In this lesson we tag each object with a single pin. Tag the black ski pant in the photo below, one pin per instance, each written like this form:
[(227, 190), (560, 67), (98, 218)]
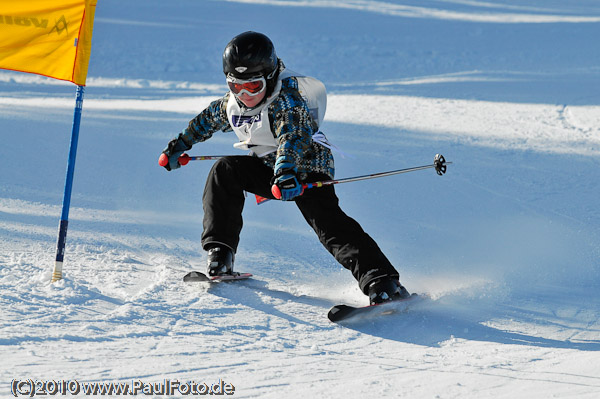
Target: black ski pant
[(344, 238)]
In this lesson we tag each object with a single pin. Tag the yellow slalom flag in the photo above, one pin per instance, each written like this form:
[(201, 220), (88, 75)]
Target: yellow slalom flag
[(47, 37)]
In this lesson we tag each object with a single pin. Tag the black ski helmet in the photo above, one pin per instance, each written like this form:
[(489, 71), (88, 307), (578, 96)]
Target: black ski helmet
[(248, 55)]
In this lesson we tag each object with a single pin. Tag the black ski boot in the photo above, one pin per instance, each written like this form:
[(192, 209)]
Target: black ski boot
[(220, 261), (386, 289)]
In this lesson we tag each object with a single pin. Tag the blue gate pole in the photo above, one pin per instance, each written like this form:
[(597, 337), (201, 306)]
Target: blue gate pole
[(64, 218)]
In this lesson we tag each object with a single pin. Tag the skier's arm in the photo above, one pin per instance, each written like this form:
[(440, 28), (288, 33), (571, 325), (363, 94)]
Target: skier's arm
[(212, 119), (293, 131)]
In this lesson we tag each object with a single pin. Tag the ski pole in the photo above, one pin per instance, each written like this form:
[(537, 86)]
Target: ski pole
[(185, 158), (439, 163)]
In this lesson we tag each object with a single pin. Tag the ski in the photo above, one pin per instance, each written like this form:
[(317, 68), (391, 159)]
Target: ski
[(346, 312), (192, 277)]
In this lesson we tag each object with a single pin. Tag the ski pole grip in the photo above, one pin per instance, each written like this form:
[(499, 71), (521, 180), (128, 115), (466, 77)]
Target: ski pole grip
[(163, 160), (183, 159), (276, 191)]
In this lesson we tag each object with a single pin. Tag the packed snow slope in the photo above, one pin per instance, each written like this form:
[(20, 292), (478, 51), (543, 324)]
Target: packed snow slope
[(507, 243)]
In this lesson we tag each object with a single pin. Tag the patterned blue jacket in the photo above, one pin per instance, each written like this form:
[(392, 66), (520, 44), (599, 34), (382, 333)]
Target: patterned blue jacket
[(290, 124)]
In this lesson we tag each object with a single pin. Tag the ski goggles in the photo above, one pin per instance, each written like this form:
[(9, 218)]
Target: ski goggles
[(252, 87)]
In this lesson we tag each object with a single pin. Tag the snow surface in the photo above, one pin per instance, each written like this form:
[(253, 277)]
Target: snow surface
[(507, 243)]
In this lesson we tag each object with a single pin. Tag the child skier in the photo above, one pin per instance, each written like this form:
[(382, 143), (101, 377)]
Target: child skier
[(275, 114)]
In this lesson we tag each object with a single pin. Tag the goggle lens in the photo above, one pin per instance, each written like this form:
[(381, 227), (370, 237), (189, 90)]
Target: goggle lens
[(252, 87)]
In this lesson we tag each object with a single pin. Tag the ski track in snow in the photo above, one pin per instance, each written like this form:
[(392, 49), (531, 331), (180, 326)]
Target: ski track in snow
[(506, 243)]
